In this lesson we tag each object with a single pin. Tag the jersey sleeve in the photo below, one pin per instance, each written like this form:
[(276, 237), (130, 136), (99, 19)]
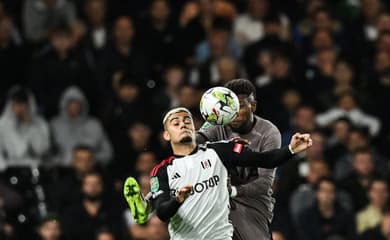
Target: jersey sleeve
[(206, 133), (236, 154), (165, 205)]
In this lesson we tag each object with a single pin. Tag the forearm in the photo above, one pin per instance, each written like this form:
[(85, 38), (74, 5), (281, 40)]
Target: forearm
[(268, 159), (167, 209)]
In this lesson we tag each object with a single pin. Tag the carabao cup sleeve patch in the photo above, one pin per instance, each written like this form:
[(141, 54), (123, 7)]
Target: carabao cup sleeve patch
[(205, 126), (154, 184)]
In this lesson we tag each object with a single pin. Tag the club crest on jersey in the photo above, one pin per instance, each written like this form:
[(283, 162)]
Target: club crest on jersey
[(154, 184), (206, 164)]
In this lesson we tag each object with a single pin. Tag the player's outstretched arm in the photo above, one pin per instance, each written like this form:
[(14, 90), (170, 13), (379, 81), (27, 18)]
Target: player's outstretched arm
[(274, 158), (235, 154)]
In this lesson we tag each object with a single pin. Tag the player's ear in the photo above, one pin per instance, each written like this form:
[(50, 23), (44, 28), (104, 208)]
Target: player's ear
[(166, 136), (253, 106)]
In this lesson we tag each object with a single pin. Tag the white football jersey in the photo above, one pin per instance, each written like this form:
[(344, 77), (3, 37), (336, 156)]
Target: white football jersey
[(205, 213)]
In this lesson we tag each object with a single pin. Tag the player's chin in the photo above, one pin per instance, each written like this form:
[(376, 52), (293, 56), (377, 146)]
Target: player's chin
[(186, 139), (235, 124)]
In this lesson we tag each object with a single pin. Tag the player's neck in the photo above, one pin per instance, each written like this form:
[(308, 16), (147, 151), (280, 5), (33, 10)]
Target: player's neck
[(183, 149)]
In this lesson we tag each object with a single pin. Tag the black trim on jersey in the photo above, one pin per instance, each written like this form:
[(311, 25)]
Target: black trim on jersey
[(166, 206), (193, 152), (248, 158)]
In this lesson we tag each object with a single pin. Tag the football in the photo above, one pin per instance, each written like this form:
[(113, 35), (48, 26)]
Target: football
[(219, 106)]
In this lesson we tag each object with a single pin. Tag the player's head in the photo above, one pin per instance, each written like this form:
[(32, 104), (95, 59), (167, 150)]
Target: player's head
[(179, 126), (246, 93)]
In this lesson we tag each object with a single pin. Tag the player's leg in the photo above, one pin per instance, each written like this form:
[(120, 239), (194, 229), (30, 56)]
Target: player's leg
[(139, 207)]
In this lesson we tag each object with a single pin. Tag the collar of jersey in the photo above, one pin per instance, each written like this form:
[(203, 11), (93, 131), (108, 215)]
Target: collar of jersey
[(191, 153)]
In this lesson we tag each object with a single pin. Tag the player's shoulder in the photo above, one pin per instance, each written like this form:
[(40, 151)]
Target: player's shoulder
[(161, 166), (265, 125), (208, 127)]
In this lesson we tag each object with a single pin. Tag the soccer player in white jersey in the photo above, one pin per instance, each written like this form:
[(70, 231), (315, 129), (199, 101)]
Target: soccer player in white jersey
[(189, 189)]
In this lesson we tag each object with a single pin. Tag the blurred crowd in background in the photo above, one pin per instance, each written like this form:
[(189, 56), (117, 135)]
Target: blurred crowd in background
[(84, 85)]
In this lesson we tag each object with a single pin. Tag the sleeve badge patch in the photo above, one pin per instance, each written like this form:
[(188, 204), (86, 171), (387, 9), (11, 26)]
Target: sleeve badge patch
[(154, 184)]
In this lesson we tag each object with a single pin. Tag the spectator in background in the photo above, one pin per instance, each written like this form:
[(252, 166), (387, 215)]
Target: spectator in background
[(290, 101), (358, 139), (197, 21), (370, 217), (273, 40), (249, 26), (66, 191), (219, 42), (296, 172), (92, 212), (140, 135), (304, 194), (338, 139), (326, 219), (97, 29), (189, 97), (105, 234), (50, 229), (378, 85), (124, 108), (218, 72), (73, 126), (24, 134), (121, 57), (39, 16), (139, 138), (319, 72), (274, 82), (13, 59), (55, 68), (341, 81), (318, 17), (168, 95), (145, 163), (347, 106), (358, 181), (303, 121), (157, 34), (362, 32), (382, 232)]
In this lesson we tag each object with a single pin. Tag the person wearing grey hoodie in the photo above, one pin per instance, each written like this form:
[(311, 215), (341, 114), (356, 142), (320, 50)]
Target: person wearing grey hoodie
[(24, 134), (73, 126), (40, 16)]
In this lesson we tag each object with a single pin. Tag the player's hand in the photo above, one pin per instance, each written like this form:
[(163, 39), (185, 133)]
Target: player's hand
[(183, 193), (300, 142), (240, 140)]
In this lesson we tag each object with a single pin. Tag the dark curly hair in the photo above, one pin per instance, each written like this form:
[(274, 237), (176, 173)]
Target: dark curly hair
[(242, 87)]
